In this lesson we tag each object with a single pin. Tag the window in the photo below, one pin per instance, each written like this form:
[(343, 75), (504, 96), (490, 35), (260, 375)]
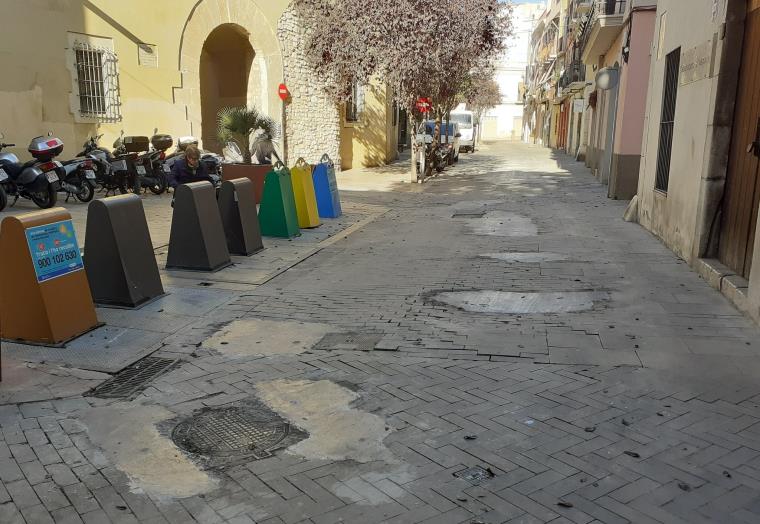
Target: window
[(465, 119), (355, 103), (669, 95), (97, 82)]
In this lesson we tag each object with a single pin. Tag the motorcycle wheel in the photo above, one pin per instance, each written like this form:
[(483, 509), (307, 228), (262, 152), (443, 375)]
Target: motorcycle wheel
[(46, 199), (86, 194), (3, 198), (160, 186)]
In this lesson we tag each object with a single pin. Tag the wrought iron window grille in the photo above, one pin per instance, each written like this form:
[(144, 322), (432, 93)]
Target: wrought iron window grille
[(97, 72)]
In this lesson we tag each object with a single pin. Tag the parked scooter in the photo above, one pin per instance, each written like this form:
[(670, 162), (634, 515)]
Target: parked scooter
[(39, 179), (110, 172)]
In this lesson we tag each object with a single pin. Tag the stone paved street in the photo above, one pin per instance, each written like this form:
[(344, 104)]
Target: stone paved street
[(496, 345)]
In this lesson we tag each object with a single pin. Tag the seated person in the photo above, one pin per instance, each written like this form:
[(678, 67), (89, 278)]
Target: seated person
[(190, 168)]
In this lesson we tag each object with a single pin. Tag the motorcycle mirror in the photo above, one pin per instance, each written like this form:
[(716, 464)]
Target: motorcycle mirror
[(2, 135), (155, 130), (50, 133)]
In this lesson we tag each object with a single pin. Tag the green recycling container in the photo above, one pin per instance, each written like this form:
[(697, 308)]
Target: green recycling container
[(277, 212)]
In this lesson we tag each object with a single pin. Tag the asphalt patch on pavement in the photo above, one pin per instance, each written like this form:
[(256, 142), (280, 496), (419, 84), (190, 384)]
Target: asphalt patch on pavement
[(254, 336), (516, 303), (504, 224), (337, 429), (131, 439)]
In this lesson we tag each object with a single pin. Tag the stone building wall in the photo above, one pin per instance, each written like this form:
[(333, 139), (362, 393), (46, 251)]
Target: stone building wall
[(312, 119)]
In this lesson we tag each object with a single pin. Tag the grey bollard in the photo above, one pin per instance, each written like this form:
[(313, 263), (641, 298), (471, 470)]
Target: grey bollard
[(197, 240), (237, 205), (119, 260)]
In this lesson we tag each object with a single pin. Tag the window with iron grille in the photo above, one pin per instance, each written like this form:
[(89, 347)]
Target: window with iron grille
[(355, 103), (669, 95), (97, 82)]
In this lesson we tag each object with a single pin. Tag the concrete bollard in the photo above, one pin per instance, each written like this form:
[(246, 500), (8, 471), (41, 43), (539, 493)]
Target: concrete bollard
[(119, 259), (237, 206), (44, 294), (197, 241)]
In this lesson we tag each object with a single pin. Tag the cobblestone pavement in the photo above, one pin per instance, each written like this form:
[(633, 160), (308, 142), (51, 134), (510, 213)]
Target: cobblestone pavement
[(513, 352)]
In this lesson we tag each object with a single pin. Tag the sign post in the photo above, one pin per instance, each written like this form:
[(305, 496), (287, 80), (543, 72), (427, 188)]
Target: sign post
[(44, 294), (284, 94)]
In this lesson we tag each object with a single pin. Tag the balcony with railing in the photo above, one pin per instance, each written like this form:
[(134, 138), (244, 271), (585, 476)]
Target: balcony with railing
[(574, 76), (600, 26)]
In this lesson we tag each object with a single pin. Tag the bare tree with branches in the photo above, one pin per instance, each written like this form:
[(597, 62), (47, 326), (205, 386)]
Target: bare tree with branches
[(419, 48)]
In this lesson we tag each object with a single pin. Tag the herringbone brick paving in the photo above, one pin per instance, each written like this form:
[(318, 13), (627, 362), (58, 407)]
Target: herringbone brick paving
[(642, 409), (549, 434)]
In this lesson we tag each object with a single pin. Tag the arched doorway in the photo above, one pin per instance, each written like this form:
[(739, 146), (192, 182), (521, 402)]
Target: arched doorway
[(225, 65)]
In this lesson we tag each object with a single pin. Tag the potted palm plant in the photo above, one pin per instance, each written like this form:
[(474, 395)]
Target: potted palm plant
[(251, 133)]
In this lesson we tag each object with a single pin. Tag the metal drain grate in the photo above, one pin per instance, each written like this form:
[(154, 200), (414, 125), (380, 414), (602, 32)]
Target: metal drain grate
[(135, 378), (349, 341), (475, 475), (239, 431)]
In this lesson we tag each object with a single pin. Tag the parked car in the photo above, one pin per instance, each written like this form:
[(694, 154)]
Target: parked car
[(466, 121)]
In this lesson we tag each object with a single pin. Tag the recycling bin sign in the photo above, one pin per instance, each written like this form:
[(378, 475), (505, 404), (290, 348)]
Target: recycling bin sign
[(54, 250)]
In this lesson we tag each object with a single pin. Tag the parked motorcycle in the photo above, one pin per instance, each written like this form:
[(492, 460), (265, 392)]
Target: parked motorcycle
[(140, 161), (110, 172), (38, 180), (79, 179), (160, 143)]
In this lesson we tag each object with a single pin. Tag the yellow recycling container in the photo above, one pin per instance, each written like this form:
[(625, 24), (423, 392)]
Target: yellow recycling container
[(303, 191)]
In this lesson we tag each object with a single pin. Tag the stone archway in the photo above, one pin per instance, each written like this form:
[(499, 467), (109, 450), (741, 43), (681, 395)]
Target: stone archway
[(255, 21), (225, 66)]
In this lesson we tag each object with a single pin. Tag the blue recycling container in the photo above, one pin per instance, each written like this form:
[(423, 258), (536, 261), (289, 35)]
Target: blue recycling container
[(326, 188)]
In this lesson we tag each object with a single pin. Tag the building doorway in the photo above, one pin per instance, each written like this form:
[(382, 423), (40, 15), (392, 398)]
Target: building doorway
[(742, 194), (225, 64)]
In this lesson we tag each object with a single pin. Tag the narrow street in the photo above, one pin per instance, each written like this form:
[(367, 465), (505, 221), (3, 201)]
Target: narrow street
[(496, 345)]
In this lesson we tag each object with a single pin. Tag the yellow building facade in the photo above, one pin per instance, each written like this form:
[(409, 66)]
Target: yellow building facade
[(78, 68)]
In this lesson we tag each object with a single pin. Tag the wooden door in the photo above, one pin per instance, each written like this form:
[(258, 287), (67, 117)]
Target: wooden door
[(742, 194)]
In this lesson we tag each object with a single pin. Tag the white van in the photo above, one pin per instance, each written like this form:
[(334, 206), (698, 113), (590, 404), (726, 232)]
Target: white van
[(466, 121)]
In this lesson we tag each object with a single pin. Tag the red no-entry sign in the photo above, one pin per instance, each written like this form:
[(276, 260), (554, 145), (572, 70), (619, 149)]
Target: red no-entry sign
[(423, 104), (283, 92)]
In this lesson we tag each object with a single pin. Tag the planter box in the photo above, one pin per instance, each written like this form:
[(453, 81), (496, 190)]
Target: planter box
[(256, 173)]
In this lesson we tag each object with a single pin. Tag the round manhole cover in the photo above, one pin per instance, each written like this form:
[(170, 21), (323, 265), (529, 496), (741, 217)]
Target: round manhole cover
[(231, 431)]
